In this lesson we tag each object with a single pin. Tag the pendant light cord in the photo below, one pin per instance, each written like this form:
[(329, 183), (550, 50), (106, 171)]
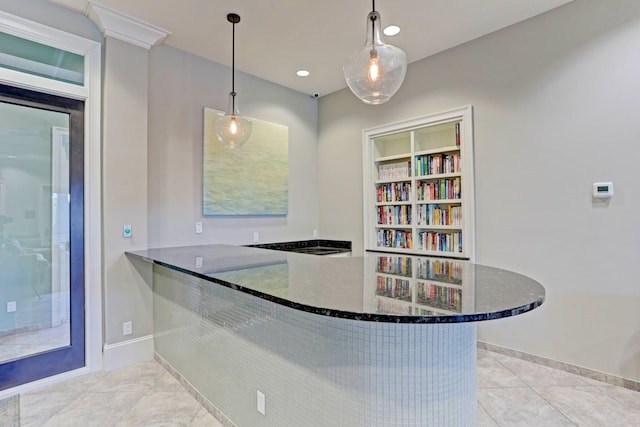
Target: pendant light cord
[(234, 19), (233, 66), (373, 21)]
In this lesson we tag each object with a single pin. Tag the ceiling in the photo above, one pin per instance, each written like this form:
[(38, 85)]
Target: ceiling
[(276, 38)]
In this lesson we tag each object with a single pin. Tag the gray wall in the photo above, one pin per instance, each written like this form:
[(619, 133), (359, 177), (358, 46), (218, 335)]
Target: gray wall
[(556, 102), (181, 85), (126, 296)]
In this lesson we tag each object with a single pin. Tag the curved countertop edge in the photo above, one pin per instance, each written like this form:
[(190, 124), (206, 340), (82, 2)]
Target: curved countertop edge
[(367, 317)]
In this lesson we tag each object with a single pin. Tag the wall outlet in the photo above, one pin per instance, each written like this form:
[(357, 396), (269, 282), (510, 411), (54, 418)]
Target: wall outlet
[(256, 237), (262, 402), (198, 228), (127, 231), (11, 306), (315, 234), (127, 328), (199, 261)]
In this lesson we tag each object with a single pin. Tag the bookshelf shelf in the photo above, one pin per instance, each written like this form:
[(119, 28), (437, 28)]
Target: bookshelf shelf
[(438, 176), (392, 203), (439, 202), (392, 181), (438, 227), (437, 150), (421, 171), (405, 156)]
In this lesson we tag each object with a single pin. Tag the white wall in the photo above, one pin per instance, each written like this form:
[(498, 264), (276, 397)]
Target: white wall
[(556, 102)]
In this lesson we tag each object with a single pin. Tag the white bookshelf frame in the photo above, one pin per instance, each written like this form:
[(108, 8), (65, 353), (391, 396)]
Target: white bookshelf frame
[(408, 129)]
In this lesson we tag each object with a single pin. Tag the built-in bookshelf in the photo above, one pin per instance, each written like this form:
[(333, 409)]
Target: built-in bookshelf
[(421, 286), (418, 186)]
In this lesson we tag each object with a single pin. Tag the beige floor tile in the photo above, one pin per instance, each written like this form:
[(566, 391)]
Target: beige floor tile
[(162, 409), (591, 406), (138, 377), (74, 385), (95, 410), (484, 419), (147, 395), (630, 398), (492, 373), (36, 408), (520, 406), (483, 354)]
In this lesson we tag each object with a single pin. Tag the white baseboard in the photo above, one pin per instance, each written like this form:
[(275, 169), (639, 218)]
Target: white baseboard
[(127, 353)]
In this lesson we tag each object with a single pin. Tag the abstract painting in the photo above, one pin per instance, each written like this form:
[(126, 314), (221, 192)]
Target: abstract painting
[(250, 180)]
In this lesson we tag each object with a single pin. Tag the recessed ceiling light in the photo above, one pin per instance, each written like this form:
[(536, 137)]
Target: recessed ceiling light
[(391, 30), (302, 73)]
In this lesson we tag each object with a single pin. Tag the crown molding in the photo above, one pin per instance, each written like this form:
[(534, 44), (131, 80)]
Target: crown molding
[(122, 27)]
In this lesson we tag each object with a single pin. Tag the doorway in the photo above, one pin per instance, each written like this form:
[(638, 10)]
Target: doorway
[(42, 289)]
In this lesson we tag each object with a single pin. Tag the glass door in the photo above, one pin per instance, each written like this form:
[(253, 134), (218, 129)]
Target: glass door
[(41, 236)]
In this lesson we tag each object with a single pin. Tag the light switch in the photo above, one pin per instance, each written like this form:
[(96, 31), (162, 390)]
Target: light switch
[(127, 231)]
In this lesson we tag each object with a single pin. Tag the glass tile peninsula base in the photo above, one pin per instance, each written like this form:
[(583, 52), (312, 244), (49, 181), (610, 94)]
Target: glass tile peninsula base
[(313, 370), (380, 340)]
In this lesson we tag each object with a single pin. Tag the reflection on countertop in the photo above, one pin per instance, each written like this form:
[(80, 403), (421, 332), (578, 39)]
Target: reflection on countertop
[(378, 287)]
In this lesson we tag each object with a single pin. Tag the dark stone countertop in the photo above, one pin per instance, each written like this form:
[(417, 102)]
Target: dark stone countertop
[(312, 247), (378, 287)]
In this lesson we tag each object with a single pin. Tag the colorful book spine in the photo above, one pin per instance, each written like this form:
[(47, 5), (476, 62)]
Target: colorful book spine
[(439, 215), (435, 241), (394, 239), (438, 164), (394, 192), (394, 215), (440, 189)]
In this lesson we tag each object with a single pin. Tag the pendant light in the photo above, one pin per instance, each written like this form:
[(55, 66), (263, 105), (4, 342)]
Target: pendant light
[(231, 129), (375, 72)]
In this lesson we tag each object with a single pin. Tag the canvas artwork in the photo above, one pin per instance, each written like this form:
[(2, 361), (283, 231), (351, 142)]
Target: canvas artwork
[(251, 180)]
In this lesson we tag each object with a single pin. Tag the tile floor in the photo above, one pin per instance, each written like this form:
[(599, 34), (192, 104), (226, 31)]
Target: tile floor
[(511, 392)]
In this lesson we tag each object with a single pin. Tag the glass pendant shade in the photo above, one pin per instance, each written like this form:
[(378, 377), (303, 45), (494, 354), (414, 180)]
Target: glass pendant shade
[(232, 130), (375, 72)]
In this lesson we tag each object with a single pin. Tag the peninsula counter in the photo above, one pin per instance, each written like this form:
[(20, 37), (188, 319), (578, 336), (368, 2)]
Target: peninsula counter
[(380, 340)]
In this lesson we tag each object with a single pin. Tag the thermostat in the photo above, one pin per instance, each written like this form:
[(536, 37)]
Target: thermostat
[(602, 190)]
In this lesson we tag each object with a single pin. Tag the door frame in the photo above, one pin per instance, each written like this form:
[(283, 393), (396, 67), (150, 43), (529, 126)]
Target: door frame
[(67, 358), (90, 93)]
